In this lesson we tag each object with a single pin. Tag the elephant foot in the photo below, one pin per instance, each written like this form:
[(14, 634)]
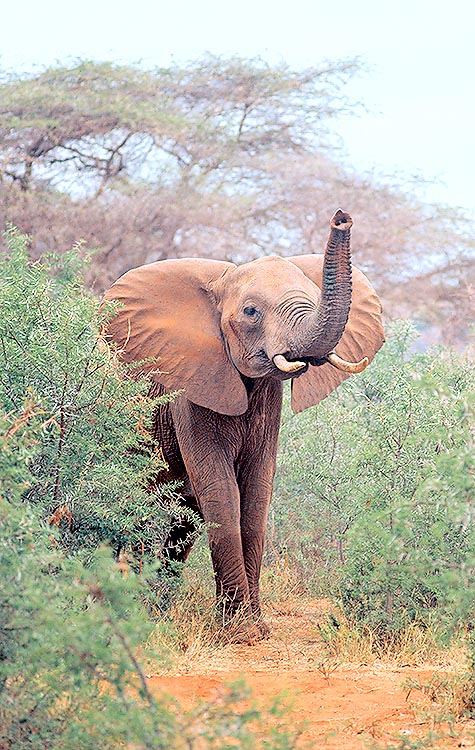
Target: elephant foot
[(248, 631), (264, 629)]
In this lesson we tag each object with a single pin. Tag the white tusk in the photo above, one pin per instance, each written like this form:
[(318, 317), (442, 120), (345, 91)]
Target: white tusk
[(285, 366), (342, 364)]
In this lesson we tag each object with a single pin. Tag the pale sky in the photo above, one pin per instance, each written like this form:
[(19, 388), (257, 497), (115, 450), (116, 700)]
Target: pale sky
[(419, 89)]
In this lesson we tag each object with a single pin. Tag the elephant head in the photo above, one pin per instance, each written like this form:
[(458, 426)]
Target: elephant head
[(211, 327)]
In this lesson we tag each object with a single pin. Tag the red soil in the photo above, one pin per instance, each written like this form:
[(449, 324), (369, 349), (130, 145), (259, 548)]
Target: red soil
[(342, 706)]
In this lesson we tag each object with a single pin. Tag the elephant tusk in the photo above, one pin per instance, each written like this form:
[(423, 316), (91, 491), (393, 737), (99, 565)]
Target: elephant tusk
[(284, 365), (342, 364)]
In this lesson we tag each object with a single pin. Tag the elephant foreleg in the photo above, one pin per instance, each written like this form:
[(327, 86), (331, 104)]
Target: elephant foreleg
[(256, 471), (208, 446), (255, 499)]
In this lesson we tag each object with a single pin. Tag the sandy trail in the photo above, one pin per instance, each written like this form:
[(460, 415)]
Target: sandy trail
[(344, 706)]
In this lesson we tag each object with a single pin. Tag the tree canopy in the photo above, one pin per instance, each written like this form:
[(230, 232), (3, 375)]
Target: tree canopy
[(226, 158)]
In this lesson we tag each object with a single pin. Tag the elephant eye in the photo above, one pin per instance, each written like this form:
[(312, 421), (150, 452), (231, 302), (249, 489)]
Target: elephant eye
[(251, 312)]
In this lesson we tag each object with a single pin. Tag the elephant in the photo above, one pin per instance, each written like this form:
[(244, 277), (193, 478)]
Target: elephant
[(225, 337)]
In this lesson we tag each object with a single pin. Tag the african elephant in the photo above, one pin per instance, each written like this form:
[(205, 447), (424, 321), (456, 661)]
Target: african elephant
[(228, 336)]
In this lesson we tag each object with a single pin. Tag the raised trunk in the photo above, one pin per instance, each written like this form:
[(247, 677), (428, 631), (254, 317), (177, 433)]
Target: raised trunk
[(325, 328)]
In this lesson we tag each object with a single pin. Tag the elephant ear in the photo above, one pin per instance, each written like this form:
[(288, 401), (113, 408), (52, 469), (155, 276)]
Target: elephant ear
[(363, 335), (168, 315)]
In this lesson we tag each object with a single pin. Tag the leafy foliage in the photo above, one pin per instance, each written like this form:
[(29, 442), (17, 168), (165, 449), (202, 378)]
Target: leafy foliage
[(383, 489), (92, 456), (152, 164), (64, 631), (76, 459), (69, 671), (225, 158), (104, 118)]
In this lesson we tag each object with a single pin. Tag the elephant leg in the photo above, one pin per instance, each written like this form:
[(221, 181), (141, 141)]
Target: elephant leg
[(209, 443), (256, 491), (232, 589), (219, 502), (256, 470), (254, 511), (182, 534)]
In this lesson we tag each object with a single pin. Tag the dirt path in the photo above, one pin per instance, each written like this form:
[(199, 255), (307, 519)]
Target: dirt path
[(344, 706)]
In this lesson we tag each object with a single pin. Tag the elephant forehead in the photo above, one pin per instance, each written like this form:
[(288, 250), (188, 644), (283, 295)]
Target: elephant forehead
[(271, 275)]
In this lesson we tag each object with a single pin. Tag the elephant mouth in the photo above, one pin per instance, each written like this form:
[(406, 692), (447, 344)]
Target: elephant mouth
[(265, 366), (296, 367), (285, 368)]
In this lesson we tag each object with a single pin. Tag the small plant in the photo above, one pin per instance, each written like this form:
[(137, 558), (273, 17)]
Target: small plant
[(327, 665), (93, 456), (378, 507)]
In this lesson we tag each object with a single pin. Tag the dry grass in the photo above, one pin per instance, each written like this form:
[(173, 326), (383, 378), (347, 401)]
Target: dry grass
[(190, 635), (282, 590), (284, 594), (448, 695), (316, 632), (413, 646)]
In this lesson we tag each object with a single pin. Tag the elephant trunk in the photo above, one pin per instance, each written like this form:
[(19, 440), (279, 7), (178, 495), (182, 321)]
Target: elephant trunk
[(326, 326), (321, 331)]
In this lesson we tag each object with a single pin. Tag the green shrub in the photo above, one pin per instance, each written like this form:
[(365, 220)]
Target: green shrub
[(92, 456), (70, 676), (378, 480), (65, 631), (76, 459)]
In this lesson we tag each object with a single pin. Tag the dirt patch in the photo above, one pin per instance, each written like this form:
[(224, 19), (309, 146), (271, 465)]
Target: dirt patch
[(342, 706)]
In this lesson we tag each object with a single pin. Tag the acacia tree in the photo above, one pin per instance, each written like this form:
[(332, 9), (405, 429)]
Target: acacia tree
[(224, 158), (160, 163)]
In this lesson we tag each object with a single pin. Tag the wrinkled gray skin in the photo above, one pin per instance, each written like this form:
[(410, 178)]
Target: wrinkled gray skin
[(227, 461), (229, 465)]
